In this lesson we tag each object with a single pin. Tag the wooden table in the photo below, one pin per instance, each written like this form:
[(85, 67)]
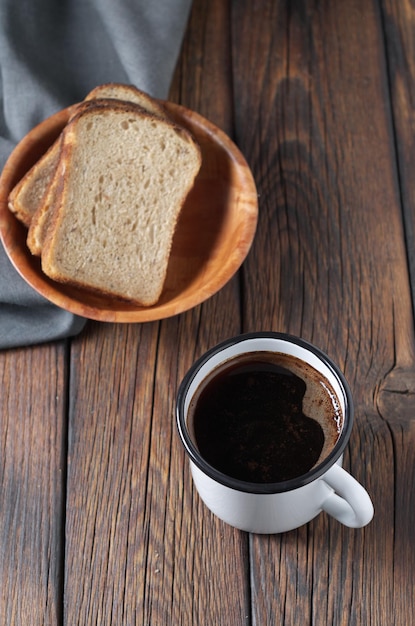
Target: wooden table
[(99, 522)]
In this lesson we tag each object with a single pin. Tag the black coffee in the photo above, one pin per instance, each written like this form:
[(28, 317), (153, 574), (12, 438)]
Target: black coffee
[(265, 418)]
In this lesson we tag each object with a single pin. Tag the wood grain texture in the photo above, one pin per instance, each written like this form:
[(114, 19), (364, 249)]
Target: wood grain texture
[(32, 484), (330, 261), (397, 393), (399, 29), (140, 547), (109, 431)]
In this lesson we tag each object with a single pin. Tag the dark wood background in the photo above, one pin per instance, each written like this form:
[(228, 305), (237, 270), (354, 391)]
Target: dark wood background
[(99, 523)]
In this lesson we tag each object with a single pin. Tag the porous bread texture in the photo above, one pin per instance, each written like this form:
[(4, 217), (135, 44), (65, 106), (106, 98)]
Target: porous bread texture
[(31, 191), (37, 190), (125, 175), (39, 195)]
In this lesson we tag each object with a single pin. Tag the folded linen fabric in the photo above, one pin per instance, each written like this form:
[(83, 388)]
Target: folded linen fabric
[(51, 55)]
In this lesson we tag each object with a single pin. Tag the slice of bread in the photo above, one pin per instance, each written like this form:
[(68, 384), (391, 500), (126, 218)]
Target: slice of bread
[(124, 174), (34, 196), (26, 197), (41, 219), (29, 194), (128, 93)]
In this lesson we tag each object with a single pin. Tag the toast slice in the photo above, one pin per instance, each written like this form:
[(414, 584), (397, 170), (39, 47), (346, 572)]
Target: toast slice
[(36, 194), (41, 219), (125, 174), (29, 194), (128, 93)]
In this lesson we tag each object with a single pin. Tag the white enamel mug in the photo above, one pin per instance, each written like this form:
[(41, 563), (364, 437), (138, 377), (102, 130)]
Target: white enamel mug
[(276, 507)]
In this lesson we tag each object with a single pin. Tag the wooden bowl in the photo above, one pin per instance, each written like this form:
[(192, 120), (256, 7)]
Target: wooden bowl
[(213, 235)]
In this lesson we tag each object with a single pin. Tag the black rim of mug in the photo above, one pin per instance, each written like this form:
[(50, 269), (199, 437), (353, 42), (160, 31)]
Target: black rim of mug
[(266, 488)]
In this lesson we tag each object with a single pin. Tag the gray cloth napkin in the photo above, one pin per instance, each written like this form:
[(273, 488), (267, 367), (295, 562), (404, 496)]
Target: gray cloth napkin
[(52, 53)]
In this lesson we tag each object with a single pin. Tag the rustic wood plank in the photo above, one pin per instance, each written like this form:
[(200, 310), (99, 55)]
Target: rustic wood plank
[(397, 393), (203, 78), (330, 264), (399, 28), (140, 547), (32, 484), (111, 393)]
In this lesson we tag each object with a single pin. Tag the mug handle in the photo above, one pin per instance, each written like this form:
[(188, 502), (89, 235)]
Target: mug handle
[(353, 506)]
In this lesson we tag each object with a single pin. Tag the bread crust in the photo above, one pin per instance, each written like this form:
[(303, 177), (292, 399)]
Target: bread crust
[(37, 180), (40, 221), (128, 93), (58, 221)]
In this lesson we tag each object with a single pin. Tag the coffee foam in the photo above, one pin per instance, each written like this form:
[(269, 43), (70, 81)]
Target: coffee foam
[(320, 401)]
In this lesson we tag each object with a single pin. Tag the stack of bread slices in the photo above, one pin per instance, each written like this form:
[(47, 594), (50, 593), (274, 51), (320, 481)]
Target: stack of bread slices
[(102, 203)]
